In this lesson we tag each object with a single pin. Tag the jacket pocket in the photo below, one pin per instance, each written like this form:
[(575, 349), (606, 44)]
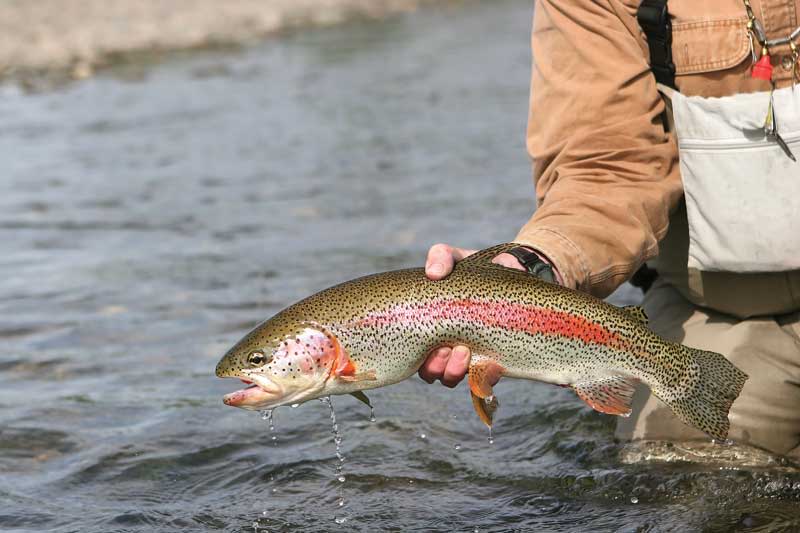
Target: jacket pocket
[(708, 36)]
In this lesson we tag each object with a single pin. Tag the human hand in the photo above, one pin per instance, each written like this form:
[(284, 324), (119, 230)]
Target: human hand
[(450, 365), (443, 257)]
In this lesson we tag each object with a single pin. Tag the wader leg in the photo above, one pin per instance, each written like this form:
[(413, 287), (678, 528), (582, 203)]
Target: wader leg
[(767, 413)]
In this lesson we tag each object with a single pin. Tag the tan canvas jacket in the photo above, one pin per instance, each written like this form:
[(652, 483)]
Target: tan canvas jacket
[(606, 172)]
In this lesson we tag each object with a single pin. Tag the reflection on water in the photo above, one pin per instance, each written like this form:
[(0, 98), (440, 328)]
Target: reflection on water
[(147, 221)]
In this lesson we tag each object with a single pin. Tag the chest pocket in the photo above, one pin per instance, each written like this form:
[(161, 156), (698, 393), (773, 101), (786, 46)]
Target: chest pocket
[(708, 36)]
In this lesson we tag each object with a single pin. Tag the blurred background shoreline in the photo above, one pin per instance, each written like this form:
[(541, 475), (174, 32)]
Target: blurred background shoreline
[(47, 42)]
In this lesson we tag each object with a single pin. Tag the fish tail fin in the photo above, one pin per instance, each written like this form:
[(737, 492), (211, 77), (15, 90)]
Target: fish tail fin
[(704, 396)]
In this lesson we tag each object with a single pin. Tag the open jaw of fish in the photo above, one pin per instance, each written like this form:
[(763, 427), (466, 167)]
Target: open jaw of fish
[(377, 330), (255, 395)]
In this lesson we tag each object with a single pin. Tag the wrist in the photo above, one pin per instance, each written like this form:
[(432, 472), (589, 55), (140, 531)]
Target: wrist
[(538, 264)]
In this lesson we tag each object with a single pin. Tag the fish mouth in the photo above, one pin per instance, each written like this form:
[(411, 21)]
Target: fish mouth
[(260, 394)]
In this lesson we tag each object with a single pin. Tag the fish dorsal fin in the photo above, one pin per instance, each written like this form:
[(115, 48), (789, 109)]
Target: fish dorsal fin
[(637, 312), (484, 257), (610, 395)]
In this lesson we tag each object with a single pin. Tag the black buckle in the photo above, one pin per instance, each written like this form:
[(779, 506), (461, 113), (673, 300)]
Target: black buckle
[(653, 17), (533, 264)]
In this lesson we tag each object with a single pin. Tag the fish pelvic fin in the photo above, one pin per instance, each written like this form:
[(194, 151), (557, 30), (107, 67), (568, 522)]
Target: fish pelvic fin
[(703, 397), (610, 395), (480, 378), (485, 407)]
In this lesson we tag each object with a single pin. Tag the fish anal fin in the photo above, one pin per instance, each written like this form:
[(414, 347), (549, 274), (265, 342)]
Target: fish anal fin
[(637, 312), (369, 375), (485, 407), (610, 395), (480, 378)]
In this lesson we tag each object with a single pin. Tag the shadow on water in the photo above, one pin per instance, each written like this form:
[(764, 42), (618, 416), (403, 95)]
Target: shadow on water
[(149, 220)]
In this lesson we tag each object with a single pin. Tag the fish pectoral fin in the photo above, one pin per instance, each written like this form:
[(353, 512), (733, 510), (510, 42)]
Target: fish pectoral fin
[(345, 369), (369, 375), (361, 397), (611, 395), (637, 312), (480, 378)]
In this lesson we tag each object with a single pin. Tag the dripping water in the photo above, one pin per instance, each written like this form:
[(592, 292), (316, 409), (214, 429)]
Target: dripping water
[(339, 474), (267, 415)]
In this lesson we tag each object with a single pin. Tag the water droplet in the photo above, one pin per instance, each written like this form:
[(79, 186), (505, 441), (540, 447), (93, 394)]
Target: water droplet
[(295, 405), (372, 414), (634, 499), (423, 436), (267, 415), (273, 492), (337, 440), (491, 436), (410, 481), (457, 447)]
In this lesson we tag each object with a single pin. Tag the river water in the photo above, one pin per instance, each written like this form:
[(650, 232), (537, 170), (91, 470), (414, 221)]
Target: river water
[(152, 215)]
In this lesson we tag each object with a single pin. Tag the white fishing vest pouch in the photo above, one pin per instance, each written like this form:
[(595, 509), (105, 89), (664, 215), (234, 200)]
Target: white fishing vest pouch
[(741, 187)]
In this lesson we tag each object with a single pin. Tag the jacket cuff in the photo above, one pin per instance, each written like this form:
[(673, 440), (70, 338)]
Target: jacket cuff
[(561, 252)]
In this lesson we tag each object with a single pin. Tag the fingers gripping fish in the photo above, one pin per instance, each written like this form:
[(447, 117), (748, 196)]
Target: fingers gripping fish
[(377, 330)]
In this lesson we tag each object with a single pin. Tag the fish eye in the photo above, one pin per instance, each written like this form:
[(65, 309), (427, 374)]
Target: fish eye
[(257, 359)]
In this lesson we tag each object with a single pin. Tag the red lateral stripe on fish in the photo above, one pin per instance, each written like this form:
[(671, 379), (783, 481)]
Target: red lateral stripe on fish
[(506, 315)]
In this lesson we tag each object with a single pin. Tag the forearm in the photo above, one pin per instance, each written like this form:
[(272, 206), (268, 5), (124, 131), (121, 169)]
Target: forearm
[(605, 169)]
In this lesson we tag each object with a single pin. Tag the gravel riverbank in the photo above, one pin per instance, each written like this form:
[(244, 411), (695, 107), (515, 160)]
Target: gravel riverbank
[(71, 38)]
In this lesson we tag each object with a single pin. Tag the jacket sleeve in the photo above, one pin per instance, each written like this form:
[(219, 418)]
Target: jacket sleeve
[(606, 172)]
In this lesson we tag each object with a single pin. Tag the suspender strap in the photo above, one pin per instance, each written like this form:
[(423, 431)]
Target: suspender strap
[(653, 17)]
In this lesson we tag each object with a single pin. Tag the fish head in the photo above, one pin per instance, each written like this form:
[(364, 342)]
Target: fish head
[(282, 364)]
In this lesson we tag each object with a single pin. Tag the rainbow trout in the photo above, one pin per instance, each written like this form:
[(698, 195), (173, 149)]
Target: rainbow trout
[(377, 330)]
